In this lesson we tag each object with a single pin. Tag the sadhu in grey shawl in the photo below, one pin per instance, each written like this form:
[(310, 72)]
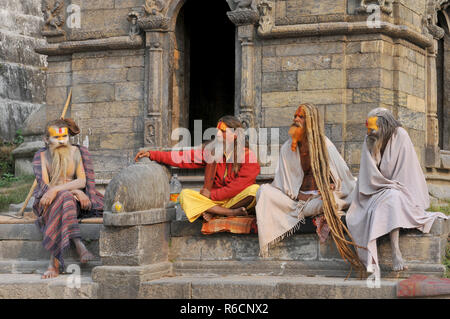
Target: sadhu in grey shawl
[(391, 191)]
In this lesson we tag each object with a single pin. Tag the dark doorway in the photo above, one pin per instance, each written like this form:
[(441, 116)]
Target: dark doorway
[(211, 37)]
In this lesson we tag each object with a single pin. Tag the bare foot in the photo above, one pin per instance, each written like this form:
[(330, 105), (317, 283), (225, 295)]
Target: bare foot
[(242, 211), (51, 272), (397, 262), (207, 216), (86, 256)]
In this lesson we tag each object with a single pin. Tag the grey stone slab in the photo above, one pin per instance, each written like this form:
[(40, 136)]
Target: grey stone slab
[(148, 217), (179, 228)]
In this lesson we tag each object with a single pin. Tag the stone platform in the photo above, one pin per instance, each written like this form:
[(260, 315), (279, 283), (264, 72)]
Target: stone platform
[(168, 258), (301, 254)]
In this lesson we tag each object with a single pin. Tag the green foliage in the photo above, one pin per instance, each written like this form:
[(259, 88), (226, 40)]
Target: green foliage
[(443, 208), (6, 158), (14, 190)]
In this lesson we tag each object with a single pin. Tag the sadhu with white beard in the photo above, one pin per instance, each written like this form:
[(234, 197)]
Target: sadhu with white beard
[(65, 191), (391, 192), (311, 179)]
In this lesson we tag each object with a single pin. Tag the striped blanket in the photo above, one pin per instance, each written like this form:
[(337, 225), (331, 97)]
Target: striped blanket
[(235, 225), (59, 223)]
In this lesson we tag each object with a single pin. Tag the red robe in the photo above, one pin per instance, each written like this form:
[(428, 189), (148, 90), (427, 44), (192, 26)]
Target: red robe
[(225, 187)]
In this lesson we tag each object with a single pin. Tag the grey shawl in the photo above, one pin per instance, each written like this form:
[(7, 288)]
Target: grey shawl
[(394, 196), (278, 213)]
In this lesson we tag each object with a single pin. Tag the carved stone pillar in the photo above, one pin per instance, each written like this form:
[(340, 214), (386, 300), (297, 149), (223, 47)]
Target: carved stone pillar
[(155, 25), (245, 19), (432, 152), (432, 158)]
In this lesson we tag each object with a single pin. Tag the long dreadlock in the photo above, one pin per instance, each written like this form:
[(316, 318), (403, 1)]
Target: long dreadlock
[(321, 170)]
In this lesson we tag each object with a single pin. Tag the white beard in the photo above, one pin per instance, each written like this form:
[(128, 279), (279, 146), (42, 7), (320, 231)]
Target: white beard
[(374, 146)]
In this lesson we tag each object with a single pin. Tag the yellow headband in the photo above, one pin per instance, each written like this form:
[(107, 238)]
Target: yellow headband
[(58, 132)]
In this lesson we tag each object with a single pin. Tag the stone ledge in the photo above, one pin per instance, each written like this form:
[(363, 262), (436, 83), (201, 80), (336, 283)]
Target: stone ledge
[(347, 28), (113, 43), (146, 217), (335, 268), (264, 287)]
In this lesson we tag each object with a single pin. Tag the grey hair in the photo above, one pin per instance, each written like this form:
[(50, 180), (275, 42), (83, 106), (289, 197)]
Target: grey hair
[(387, 125), (386, 122)]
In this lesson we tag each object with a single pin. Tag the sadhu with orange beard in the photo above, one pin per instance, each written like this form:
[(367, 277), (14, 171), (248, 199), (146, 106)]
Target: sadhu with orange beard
[(65, 192), (311, 180)]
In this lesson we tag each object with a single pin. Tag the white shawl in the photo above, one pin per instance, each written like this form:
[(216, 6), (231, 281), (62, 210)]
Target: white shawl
[(278, 213)]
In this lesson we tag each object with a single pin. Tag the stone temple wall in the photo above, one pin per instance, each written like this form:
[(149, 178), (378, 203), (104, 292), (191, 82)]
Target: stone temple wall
[(122, 59), (345, 75), (22, 70)]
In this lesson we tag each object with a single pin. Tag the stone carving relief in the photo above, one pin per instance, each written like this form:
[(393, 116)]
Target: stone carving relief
[(385, 6), (150, 134), (54, 17), (430, 18), (133, 17), (243, 12), (266, 19), (154, 7), (153, 15)]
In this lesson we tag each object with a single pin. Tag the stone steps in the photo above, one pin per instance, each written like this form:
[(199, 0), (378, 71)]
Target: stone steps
[(264, 287), (31, 286), (21, 249)]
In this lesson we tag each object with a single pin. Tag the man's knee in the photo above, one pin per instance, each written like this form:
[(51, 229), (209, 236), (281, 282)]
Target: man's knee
[(313, 207)]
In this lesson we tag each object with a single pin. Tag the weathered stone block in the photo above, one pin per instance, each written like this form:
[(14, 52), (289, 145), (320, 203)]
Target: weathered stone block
[(301, 49), (128, 91), (307, 62), (279, 81), (331, 96), (363, 78), (414, 248), (59, 79), (335, 113), (281, 99), (119, 141), (271, 64), (412, 119), (100, 92), (100, 76), (107, 61), (320, 79), (296, 8), (275, 117), (134, 245)]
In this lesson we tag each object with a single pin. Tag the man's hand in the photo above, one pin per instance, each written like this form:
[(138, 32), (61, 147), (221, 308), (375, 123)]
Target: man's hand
[(141, 154), (48, 197), (85, 203), (205, 192)]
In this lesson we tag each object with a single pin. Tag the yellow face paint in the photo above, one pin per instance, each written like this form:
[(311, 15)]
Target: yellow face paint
[(222, 126), (371, 124), (58, 133)]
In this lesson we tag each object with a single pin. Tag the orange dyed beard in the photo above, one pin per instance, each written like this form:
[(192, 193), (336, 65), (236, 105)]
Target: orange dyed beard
[(295, 131)]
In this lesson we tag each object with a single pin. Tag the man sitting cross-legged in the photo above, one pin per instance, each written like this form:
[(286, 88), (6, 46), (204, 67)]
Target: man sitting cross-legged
[(65, 191), (230, 175), (311, 178)]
